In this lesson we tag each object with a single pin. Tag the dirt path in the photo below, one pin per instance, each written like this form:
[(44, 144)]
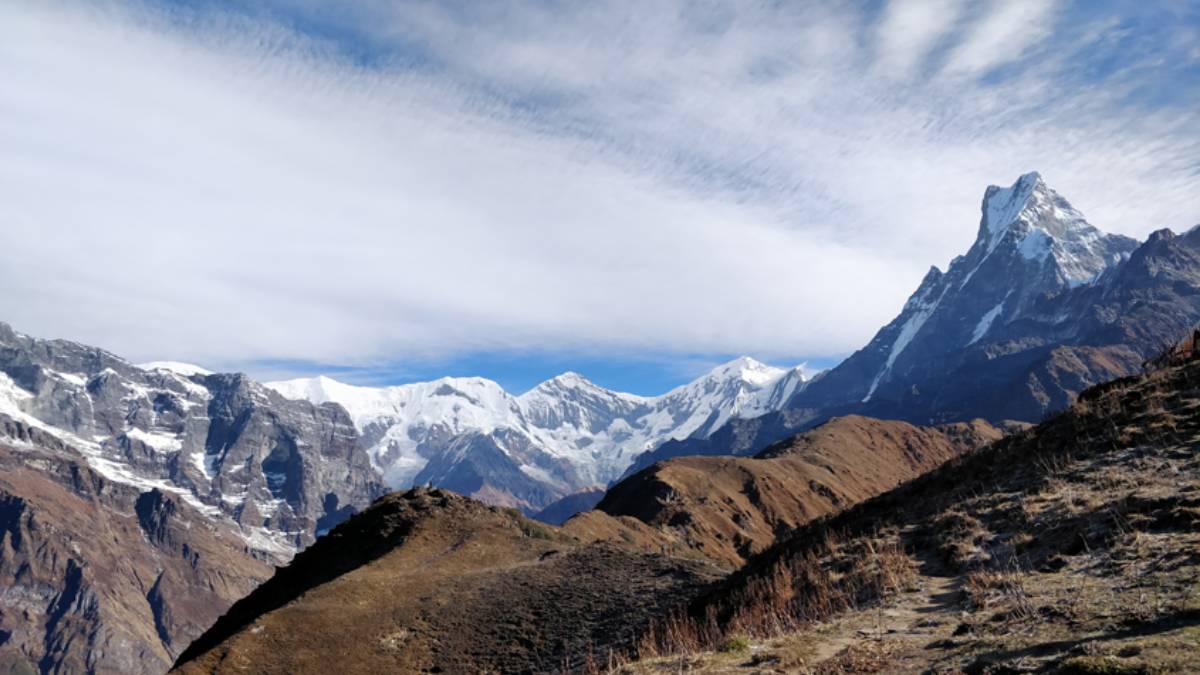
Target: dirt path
[(919, 617)]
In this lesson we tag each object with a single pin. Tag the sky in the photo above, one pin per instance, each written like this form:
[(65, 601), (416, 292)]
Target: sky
[(394, 191)]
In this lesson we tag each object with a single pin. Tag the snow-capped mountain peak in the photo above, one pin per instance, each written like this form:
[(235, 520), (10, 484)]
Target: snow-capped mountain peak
[(1003, 206), (571, 381), (1031, 244), (571, 378), (1040, 226), (747, 370)]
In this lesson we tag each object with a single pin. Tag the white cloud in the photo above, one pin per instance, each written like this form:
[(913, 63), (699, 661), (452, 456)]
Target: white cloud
[(219, 190), (1003, 34), (910, 29)]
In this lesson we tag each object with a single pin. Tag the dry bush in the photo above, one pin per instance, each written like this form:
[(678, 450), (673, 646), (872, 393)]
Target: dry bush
[(832, 577), (735, 644), (678, 633), (998, 588), (958, 536)]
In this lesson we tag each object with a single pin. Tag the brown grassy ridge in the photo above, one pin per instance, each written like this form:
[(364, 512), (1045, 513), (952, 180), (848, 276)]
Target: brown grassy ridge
[(727, 509), (430, 581)]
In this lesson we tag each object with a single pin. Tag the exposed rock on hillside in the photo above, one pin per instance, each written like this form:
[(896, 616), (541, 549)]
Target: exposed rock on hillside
[(137, 503)]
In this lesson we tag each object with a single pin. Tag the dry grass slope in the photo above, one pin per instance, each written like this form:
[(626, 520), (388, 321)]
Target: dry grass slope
[(1073, 547), (727, 509), (429, 581)]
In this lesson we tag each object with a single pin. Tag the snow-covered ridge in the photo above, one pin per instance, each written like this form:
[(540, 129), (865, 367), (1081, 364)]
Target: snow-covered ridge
[(595, 431), (177, 367)]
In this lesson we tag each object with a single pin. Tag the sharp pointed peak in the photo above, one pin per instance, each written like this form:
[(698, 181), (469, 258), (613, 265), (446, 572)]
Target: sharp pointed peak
[(1026, 205), (1024, 183)]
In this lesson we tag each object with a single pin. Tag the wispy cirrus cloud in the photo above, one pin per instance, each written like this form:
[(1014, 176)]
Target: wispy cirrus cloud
[(413, 182), (909, 30), (1003, 34)]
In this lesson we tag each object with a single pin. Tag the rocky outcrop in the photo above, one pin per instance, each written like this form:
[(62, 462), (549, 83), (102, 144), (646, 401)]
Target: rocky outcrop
[(282, 469)]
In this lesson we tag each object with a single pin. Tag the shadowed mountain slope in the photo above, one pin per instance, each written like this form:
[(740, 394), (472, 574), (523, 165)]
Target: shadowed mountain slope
[(561, 510)]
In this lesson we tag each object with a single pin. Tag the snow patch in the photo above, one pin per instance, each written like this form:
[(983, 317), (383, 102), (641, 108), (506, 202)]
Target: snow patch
[(77, 380), (985, 322), (164, 443), (1035, 246), (921, 314)]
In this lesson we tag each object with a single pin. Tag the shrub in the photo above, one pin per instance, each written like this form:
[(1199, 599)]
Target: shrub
[(735, 644)]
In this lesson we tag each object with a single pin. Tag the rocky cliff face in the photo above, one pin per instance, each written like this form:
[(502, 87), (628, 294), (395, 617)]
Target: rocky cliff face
[(282, 469), (137, 503), (101, 576)]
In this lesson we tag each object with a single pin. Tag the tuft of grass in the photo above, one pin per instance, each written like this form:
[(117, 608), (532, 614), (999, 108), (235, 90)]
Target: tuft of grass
[(536, 530), (999, 588), (735, 644), (1023, 541), (1099, 665), (958, 535)]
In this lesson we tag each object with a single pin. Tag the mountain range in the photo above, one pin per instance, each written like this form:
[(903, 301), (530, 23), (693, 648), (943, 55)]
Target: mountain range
[(565, 435), (1041, 306)]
